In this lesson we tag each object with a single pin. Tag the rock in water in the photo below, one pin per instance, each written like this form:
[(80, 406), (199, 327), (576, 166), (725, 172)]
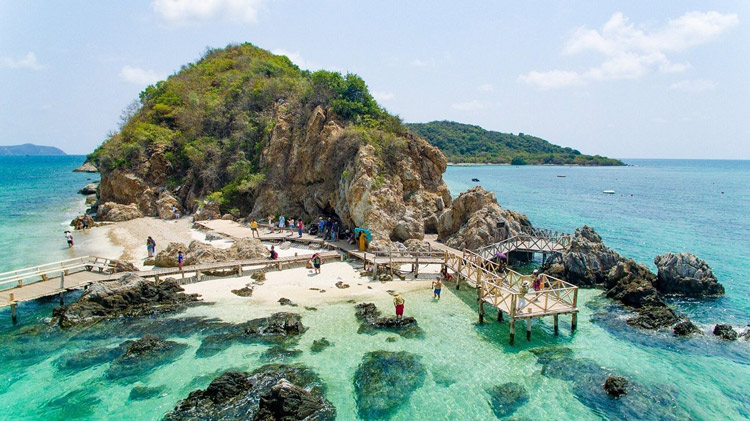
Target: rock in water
[(285, 401), (83, 221), (506, 398), (129, 296), (286, 302), (684, 274), (616, 386), (384, 381), (143, 355), (246, 291), (654, 317), (631, 284), (86, 167), (278, 328), (685, 328), (319, 345), (725, 332), (371, 321), (140, 393), (88, 189), (587, 260), (237, 395)]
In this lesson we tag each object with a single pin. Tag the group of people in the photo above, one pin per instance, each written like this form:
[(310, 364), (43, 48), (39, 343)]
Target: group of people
[(537, 284), (282, 225), (328, 229)]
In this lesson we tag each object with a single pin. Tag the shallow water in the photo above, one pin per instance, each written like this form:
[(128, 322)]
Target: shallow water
[(697, 378)]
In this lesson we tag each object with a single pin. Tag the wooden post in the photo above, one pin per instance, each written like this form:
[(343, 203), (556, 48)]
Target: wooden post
[(197, 276), (512, 316), (480, 297), (239, 270), (499, 315), (573, 322), (528, 329), (13, 315), (416, 268), (62, 280), (554, 318), (512, 330)]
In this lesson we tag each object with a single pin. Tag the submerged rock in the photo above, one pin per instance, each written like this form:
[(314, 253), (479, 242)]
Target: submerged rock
[(277, 352), (286, 302), (616, 386), (275, 329), (654, 317), (505, 399), (371, 321), (144, 355), (684, 274), (237, 395), (725, 332), (286, 401), (89, 358), (129, 296), (384, 381), (685, 328), (319, 345), (142, 393)]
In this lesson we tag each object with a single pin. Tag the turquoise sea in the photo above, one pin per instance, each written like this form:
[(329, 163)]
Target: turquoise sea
[(675, 206)]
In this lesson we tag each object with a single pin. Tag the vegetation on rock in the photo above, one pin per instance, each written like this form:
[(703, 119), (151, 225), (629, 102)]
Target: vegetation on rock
[(466, 143)]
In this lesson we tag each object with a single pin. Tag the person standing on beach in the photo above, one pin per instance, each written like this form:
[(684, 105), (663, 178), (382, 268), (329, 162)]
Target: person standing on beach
[(300, 227), (150, 246), (316, 262), (254, 228), (180, 259), (398, 302), (282, 224), (437, 285), (69, 238)]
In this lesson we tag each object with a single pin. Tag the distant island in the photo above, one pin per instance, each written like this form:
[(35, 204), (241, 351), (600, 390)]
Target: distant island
[(465, 143), (30, 149)]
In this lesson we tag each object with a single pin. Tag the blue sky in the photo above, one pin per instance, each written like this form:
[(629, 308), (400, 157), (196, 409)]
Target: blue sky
[(624, 79)]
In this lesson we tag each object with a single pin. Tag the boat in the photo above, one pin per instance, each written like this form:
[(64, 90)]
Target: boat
[(476, 180), (608, 192), (562, 176)]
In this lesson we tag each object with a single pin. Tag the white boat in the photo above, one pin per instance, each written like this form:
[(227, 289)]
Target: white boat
[(608, 192)]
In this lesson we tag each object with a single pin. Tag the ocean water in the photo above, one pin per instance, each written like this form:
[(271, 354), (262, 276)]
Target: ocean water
[(697, 378)]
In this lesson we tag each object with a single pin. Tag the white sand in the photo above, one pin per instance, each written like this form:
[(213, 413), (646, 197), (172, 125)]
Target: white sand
[(295, 285)]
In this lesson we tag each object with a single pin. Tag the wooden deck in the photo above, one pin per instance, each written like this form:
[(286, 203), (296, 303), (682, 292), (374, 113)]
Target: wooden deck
[(41, 289)]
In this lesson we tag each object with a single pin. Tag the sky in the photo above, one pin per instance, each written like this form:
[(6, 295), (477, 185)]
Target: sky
[(626, 79)]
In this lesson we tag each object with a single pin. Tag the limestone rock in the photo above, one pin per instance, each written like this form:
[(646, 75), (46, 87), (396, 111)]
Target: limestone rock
[(88, 189), (115, 212), (616, 386), (87, 167), (83, 221), (195, 254), (587, 260), (685, 274), (164, 205), (632, 284), (725, 332), (123, 187), (472, 221), (130, 296), (207, 211), (247, 249)]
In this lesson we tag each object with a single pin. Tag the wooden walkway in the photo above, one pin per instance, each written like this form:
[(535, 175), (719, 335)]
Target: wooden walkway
[(538, 242)]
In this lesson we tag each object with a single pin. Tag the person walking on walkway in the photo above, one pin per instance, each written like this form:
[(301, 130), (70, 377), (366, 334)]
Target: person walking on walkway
[(254, 228), (537, 284), (282, 224), (270, 224), (522, 298), (321, 227), (300, 227), (291, 227), (180, 259), (398, 302)]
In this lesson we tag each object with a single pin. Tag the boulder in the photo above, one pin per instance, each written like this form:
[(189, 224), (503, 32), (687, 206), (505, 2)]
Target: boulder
[(725, 332), (228, 217), (213, 236), (286, 302), (238, 395), (685, 328), (164, 205), (275, 329), (120, 266), (91, 200), (115, 212), (587, 261), (247, 249), (616, 386), (319, 345), (686, 275), (121, 186), (507, 398), (195, 254), (384, 381), (632, 284), (246, 291), (286, 401), (87, 167), (83, 221), (128, 296), (371, 321), (473, 220), (654, 316), (417, 245), (207, 211), (143, 355), (88, 189)]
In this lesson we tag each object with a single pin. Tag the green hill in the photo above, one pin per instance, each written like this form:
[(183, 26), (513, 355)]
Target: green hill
[(29, 149), (465, 143)]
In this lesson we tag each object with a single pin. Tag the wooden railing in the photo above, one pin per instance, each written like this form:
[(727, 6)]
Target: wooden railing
[(526, 242), (25, 276)]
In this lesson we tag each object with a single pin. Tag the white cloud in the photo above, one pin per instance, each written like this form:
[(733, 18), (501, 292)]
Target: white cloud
[(26, 62), (421, 63), (296, 58), (383, 96), (697, 85), (190, 11), (474, 105), (487, 87), (138, 76), (630, 51)]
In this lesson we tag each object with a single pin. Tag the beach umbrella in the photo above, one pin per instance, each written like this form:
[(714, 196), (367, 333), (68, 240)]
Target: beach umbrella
[(501, 255)]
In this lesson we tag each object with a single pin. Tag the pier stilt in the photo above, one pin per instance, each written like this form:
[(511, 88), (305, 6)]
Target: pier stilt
[(528, 329), (499, 315), (573, 322), (512, 330), (481, 312), (13, 304), (62, 298), (554, 318)]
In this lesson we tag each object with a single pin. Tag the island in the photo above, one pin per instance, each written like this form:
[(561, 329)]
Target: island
[(30, 149)]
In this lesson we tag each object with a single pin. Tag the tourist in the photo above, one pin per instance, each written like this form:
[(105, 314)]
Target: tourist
[(537, 283), (351, 239), (335, 231), (150, 246), (274, 255), (328, 228), (444, 273), (254, 228), (522, 298), (85, 222), (300, 227), (282, 224), (69, 238), (291, 227), (180, 259), (321, 226), (316, 262), (398, 302), (270, 224), (175, 213), (437, 285)]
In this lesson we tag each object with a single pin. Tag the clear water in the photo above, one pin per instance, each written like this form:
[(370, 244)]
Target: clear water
[(680, 379)]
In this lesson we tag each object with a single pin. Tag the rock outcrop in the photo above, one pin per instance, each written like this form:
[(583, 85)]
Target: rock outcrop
[(198, 252), (372, 321), (685, 328), (272, 392), (165, 203), (472, 221), (725, 332), (129, 296), (279, 328), (587, 261), (143, 355), (88, 189), (82, 222), (115, 212), (616, 386), (686, 275), (87, 167)]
